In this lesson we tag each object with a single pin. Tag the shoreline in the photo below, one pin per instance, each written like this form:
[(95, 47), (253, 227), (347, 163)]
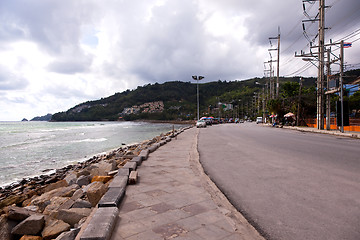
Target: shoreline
[(71, 160), (63, 201), (184, 122), (50, 173)]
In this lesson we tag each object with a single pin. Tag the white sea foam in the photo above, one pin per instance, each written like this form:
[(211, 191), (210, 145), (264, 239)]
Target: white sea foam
[(90, 140)]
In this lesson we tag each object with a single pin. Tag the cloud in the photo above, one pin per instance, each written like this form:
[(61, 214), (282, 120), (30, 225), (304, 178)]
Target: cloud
[(87, 49), (11, 81), (71, 66)]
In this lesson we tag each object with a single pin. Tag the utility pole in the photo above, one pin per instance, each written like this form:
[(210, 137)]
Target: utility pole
[(298, 107), (320, 80), (319, 56), (341, 84), (328, 110), (276, 90)]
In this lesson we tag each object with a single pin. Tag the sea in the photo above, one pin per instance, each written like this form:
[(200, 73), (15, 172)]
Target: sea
[(29, 149)]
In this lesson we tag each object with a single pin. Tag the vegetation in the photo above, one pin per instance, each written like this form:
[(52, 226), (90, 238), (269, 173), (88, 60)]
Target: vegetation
[(180, 101)]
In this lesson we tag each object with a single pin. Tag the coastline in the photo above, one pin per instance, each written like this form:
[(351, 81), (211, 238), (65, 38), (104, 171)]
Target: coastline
[(184, 122), (53, 197), (34, 149), (49, 174)]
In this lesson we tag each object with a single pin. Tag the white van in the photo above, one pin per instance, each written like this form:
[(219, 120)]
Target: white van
[(259, 120)]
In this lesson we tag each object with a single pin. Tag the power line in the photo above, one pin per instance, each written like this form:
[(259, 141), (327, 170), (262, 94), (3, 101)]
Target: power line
[(301, 70)]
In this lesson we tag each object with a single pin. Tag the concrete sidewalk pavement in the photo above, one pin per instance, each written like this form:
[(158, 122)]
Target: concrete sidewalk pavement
[(174, 199)]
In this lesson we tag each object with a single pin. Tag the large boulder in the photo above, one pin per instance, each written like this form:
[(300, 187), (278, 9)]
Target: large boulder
[(30, 237), (58, 184), (83, 172), (53, 228), (54, 205), (44, 200), (30, 226), (73, 215), (83, 180), (17, 213), (6, 225), (102, 168), (95, 191), (103, 179), (70, 178), (79, 203), (77, 194), (69, 235), (18, 198)]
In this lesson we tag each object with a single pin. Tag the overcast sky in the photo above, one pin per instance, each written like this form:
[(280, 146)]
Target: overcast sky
[(55, 54)]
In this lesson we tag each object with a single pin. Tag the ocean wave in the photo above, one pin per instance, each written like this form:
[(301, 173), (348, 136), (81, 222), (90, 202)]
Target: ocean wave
[(90, 140)]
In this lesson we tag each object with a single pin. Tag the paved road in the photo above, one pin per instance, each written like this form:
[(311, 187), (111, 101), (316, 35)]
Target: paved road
[(288, 184)]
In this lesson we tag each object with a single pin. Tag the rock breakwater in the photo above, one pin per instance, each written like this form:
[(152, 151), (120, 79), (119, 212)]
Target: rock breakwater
[(57, 205)]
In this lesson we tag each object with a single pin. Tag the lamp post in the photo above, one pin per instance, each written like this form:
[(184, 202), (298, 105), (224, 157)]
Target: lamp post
[(197, 78)]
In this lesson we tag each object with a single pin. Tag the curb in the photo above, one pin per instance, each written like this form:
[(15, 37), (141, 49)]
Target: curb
[(102, 223), (351, 135)]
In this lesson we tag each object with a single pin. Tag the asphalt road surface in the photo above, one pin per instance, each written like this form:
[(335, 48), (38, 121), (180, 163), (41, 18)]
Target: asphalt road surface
[(288, 184)]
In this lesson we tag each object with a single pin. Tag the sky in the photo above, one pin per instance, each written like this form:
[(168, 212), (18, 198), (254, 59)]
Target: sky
[(55, 54)]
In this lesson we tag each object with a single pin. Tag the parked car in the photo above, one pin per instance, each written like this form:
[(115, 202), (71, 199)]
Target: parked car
[(201, 123), (259, 120)]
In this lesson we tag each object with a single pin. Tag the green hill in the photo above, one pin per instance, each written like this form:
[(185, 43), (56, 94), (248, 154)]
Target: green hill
[(179, 100)]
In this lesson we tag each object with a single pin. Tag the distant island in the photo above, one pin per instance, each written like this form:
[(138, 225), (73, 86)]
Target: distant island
[(47, 117)]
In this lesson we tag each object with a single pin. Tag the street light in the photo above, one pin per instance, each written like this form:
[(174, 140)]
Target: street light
[(197, 78)]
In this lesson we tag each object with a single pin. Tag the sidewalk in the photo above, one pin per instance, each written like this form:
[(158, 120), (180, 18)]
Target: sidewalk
[(174, 199), (331, 132)]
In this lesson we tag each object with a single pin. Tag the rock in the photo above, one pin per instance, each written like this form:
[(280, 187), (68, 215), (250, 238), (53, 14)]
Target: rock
[(67, 204), (52, 179), (71, 178), (73, 215), (27, 202), (6, 226), (30, 226), (69, 235), (32, 208), (58, 184), (103, 179), (102, 168), (81, 204), (113, 165), (44, 200), (11, 200), (30, 237), (53, 228), (77, 194), (54, 205), (83, 180), (95, 192), (112, 173), (17, 213), (83, 173)]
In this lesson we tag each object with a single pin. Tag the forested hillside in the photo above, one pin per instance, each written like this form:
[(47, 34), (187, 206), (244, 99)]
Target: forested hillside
[(178, 100)]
